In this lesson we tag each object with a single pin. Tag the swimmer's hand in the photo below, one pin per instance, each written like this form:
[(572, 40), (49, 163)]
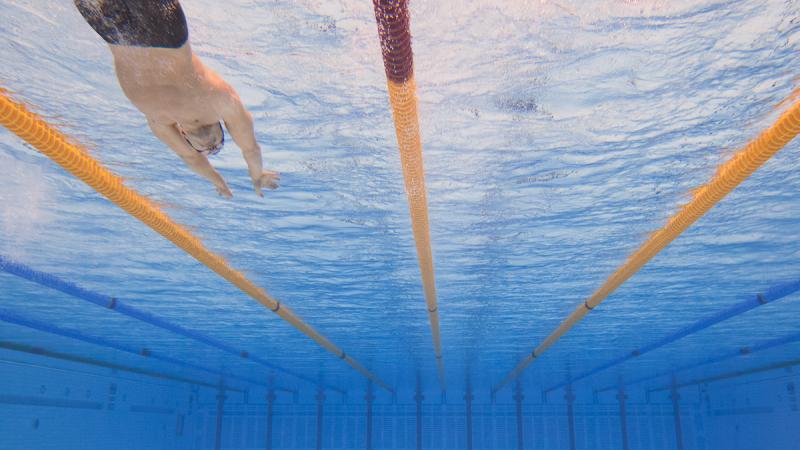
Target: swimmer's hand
[(223, 190), (267, 180)]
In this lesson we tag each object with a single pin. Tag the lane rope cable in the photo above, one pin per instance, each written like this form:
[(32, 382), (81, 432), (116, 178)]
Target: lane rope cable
[(53, 144), (753, 301), (122, 307), (739, 352), (730, 375), (40, 351), (10, 317), (729, 175)]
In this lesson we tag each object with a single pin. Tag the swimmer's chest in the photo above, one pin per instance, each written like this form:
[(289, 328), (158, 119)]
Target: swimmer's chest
[(168, 103)]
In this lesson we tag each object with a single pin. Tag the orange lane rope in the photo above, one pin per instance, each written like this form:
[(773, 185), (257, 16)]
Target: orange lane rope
[(728, 176), (53, 144), (395, 36)]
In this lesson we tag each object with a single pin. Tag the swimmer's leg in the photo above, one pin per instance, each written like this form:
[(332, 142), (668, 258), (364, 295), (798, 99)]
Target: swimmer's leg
[(137, 23)]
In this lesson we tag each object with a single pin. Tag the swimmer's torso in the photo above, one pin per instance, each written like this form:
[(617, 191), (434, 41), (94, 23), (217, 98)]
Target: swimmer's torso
[(155, 65), (170, 85), (185, 102)]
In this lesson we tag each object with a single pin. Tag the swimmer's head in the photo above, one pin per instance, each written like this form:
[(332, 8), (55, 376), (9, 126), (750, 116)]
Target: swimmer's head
[(207, 139)]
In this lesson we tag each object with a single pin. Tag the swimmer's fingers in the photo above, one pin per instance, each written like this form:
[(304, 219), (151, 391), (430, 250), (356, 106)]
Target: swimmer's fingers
[(268, 180), (224, 191)]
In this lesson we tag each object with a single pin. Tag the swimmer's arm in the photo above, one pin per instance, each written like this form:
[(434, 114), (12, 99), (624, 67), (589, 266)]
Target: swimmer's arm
[(196, 161), (239, 123)]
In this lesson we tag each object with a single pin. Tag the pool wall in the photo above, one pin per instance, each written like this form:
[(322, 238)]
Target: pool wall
[(51, 403)]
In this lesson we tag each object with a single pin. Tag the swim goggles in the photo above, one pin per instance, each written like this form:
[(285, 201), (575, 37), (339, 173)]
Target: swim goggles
[(205, 151)]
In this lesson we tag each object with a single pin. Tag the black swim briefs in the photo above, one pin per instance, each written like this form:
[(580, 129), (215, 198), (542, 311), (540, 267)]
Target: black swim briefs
[(137, 23)]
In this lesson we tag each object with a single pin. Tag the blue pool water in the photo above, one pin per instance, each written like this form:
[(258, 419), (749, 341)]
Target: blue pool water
[(558, 135)]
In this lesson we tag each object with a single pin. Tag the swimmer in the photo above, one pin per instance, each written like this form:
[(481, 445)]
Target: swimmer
[(184, 101)]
